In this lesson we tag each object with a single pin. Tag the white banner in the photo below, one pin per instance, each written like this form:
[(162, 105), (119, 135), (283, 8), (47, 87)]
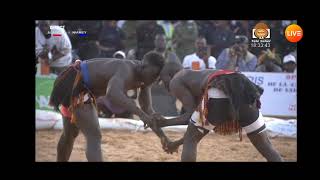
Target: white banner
[(280, 93), (53, 120)]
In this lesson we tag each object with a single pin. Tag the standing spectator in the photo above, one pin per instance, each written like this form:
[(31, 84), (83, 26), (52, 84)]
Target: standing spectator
[(110, 39), (184, 36), (129, 28), (268, 62), (237, 57), (168, 30), (201, 59), (161, 48), (221, 38), (52, 50), (163, 102), (146, 33), (289, 64), (207, 30)]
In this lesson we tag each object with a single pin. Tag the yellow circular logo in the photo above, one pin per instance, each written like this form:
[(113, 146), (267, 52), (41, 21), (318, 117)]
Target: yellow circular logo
[(294, 33), (261, 30)]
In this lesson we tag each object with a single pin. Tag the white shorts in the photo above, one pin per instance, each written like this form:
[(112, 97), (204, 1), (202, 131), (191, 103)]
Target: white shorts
[(216, 93)]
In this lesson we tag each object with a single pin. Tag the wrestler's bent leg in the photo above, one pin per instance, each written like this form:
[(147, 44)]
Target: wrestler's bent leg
[(65, 145), (262, 143), (252, 122), (191, 139), (88, 123)]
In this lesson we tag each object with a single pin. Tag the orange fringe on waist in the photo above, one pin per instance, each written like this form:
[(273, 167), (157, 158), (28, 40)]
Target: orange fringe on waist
[(79, 99), (229, 127), (224, 128)]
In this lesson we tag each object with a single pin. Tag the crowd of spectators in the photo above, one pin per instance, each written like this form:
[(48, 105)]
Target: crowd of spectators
[(199, 44)]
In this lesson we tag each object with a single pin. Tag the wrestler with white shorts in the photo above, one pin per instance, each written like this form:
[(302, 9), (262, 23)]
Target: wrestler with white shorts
[(220, 110)]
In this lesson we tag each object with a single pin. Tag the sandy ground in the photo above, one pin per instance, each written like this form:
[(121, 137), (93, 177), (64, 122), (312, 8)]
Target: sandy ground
[(120, 145)]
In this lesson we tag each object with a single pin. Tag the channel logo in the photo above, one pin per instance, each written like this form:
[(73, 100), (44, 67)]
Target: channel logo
[(261, 31), (294, 33)]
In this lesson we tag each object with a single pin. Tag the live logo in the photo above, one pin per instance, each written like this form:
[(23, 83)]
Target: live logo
[(294, 33)]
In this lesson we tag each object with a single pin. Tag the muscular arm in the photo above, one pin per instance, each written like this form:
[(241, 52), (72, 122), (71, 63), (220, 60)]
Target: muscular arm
[(145, 100), (115, 93), (184, 95)]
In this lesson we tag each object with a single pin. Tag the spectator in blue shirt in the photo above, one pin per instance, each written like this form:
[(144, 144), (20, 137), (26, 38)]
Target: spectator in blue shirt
[(237, 57)]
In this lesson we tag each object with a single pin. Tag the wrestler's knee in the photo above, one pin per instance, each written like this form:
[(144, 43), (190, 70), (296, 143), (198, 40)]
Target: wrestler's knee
[(94, 133), (65, 144), (258, 136), (71, 131)]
